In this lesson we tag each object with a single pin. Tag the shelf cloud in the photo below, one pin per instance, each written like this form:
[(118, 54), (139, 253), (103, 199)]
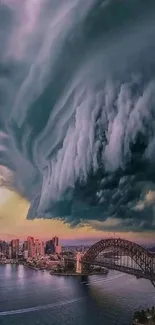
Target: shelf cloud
[(77, 109)]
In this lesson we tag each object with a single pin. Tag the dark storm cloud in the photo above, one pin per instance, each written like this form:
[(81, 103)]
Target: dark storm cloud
[(77, 109)]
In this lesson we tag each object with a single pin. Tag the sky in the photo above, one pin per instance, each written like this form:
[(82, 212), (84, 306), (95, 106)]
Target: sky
[(77, 112), (14, 224)]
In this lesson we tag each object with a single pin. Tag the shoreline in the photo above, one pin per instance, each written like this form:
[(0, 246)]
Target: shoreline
[(54, 273), (76, 274)]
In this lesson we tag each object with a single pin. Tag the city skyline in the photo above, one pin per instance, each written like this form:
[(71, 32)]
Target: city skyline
[(29, 248)]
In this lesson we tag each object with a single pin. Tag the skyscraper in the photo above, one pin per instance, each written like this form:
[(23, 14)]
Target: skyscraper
[(25, 245), (31, 247), (55, 241), (37, 247), (14, 248), (52, 246), (4, 248), (25, 249), (58, 249), (42, 249), (49, 249)]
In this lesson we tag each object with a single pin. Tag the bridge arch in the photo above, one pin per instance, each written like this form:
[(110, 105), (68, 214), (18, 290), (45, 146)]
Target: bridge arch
[(139, 254)]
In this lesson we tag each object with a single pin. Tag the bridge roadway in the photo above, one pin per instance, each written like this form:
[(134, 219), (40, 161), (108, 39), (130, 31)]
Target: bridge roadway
[(124, 269)]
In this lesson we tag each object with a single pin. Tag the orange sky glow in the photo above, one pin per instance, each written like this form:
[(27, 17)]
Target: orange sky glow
[(13, 223)]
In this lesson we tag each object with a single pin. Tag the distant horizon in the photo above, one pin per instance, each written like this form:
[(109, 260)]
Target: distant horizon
[(74, 242)]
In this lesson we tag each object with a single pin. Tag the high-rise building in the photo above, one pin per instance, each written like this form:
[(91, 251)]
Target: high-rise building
[(49, 249), (4, 248), (37, 247), (10, 252), (58, 249), (25, 255), (31, 247), (51, 245), (25, 245), (55, 241), (14, 248), (34, 247), (42, 248), (25, 249)]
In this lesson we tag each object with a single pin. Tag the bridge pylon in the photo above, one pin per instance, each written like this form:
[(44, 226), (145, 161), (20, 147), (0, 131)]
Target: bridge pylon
[(78, 262)]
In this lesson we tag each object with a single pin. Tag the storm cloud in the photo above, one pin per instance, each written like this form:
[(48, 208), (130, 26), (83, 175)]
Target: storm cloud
[(77, 109)]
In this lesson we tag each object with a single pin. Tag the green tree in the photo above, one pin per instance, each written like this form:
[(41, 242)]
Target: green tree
[(137, 315), (153, 317), (143, 317)]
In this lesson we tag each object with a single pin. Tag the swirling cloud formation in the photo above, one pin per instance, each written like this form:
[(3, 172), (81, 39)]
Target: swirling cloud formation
[(77, 108)]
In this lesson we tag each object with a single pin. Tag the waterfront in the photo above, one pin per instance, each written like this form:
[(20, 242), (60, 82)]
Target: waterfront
[(38, 298)]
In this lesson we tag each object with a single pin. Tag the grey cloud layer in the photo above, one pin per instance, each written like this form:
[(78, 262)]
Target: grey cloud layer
[(77, 108)]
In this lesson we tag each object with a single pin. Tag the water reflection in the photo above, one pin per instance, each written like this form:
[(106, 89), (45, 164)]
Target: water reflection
[(8, 271), (43, 299)]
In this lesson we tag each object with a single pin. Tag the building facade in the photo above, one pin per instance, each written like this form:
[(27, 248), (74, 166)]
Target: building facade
[(31, 247), (14, 248), (55, 241), (52, 246), (58, 250), (49, 249)]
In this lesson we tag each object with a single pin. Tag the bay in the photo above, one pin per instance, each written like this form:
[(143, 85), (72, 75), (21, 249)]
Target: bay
[(29, 297)]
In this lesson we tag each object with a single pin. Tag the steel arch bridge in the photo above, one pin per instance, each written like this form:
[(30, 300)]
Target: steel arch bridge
[(127, 257)]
